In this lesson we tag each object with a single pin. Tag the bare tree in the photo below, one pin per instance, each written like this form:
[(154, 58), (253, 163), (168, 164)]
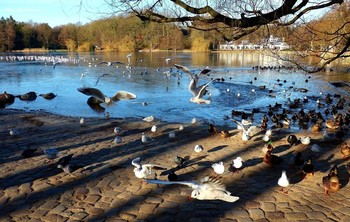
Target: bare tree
[(234, 19)]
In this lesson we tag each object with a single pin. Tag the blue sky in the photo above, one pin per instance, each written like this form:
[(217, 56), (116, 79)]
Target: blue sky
[(54, 12)]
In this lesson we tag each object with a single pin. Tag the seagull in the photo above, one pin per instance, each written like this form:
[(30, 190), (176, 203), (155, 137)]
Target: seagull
[(154, 128), (208, 188), (117, 130), (181, 127), (14, 132), (82, 121), (199, 91), (245, 131), (118, 140), (197, 95), (305, 140), (267, 135), (237, 163), (143, 171), (51, 153), (146, 139), (63, 163), (128, 56), (172, 134), (283, 181), (198, 148), (219, 168), (149, 119), (102, 75), (108, 63), (101, 98)]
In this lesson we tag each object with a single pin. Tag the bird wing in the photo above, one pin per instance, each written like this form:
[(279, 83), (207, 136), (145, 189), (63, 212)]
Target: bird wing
[(202, 90), (123, 95), (205, 71), (154, 166), (136, 162), (103, 62), (117, 62), (211, 183), (240, 124), (92, 92), (185, 69), (191, 184)]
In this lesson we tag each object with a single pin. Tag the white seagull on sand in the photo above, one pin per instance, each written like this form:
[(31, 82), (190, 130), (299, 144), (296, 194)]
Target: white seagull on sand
[(219, 168), (207, 189), (146, 139), (145, 170), (283, 181)]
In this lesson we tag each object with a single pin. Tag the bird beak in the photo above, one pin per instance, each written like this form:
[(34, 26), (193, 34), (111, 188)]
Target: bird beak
[(189, 198)]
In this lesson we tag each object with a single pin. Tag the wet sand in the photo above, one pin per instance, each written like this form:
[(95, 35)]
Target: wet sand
[(104, 187)]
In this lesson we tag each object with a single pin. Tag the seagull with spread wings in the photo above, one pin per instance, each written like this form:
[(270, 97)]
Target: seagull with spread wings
[(143, 171), (208, 188), (99, 97)]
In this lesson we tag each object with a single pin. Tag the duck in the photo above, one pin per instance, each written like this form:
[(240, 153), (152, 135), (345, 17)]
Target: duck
[(292, 140), (224, 134), (330, 123), (267, 147), (331, 182), (298, 160), (48, 96), (308, 168), (271, 159), (179, 160), (6, 98), (29, 96), (212, 129), (345, 150), (172, 176)]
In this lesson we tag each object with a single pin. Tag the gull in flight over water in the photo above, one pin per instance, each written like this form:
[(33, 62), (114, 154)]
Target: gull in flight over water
[(108, 63), (197, 91), (208, 188), (99, 97)]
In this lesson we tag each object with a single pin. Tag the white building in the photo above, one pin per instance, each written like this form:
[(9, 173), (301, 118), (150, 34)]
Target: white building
[(274, 43)]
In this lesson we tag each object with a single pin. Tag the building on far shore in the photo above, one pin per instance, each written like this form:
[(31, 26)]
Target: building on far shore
[(273, 43)]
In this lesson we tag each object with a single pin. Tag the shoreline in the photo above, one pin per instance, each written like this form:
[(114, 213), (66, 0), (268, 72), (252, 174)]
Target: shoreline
[(104, 187)]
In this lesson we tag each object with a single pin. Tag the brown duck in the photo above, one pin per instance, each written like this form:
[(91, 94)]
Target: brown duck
[(331, 181), (345, 150), (271, 159), (224, 134)]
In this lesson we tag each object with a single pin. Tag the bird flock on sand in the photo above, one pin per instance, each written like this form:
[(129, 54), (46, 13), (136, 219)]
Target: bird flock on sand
[(330, 118)]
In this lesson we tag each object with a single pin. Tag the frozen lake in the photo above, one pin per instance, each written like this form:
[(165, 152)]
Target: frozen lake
[(168, 98)]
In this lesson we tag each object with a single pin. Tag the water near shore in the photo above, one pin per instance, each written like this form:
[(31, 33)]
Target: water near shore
[(167, 96)]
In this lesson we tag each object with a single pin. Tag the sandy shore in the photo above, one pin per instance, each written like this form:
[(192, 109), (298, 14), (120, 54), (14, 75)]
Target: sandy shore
[(105, 188)]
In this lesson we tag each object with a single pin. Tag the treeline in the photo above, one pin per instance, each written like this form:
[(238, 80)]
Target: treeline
[(113, 34), (129, 33)]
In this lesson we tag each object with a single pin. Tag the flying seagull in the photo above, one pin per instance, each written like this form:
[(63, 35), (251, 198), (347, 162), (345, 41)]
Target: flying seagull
[(208, 188), (99, 97)]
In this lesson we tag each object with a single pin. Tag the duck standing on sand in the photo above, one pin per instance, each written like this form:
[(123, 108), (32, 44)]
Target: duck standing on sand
[(331, 181), (271, 159)]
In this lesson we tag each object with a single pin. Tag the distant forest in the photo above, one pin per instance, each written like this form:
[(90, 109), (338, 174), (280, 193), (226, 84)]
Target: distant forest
[(129, 33)]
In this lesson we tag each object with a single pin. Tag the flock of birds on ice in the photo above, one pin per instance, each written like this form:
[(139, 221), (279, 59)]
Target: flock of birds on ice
[(333, 123)]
